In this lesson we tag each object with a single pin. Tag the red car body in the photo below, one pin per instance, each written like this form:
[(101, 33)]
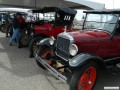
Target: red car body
[(48, 29), (63, 17), (96, 42)]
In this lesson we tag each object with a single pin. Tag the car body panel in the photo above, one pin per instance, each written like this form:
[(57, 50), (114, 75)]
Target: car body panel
[(89, 41)]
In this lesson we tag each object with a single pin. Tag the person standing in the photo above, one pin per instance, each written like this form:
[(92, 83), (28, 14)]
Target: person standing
[(16, 29), (6, 24), (22, 22)]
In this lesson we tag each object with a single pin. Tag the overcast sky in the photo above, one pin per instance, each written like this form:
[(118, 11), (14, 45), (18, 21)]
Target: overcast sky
[(109, 4)]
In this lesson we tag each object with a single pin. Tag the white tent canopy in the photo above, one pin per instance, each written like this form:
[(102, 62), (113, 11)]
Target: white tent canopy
[(92, 5), (14, 10), (82, 4)]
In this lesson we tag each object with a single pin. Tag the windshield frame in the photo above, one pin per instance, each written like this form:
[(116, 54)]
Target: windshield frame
[(116, 23)]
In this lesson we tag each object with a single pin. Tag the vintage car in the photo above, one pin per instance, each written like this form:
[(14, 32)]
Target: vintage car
[(53, 21), (77, 57), (2, 21)]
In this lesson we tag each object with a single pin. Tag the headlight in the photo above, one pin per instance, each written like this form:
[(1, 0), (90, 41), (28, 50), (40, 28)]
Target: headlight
[(51, 40), (73, 49)]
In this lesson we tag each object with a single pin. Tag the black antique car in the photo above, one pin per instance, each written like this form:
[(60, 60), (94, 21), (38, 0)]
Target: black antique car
[(77, 57), (51, 24)]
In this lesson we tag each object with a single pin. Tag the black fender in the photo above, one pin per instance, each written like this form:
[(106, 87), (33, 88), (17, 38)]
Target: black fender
[(45, 42), (82, 59)]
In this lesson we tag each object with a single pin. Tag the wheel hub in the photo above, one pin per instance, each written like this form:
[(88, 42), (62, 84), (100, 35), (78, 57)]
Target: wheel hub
[(87, 79), (90, 82)]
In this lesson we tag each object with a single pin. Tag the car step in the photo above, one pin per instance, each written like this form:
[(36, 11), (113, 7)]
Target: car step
[(114, 69), (118, 65), (51, 69)]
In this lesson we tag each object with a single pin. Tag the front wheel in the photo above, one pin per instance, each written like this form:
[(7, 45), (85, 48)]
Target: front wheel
[(45, 53), (33, 45), (2, 28), (24, 39), (84, 78)]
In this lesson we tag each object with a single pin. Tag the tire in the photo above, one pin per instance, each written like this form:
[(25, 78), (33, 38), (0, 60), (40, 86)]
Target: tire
[(46, 52), (24, 40), (81, 80), (33, 45), (2, 28)]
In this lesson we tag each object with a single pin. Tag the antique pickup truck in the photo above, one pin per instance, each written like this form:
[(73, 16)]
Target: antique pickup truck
[(77, 57), (53, 21)]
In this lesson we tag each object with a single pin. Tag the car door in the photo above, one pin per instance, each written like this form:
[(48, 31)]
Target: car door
[(115, 49), (105, 47)]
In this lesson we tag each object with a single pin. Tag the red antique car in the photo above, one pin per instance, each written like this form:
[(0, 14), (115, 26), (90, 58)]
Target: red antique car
[(53, 21), (77, 57)]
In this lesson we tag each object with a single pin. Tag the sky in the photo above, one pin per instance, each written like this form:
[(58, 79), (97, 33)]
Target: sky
[(109, 4)]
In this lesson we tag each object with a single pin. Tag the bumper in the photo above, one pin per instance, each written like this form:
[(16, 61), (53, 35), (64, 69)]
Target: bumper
[(53, 71)]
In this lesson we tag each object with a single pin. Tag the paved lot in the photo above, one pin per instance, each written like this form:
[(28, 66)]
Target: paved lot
[(19, 72)]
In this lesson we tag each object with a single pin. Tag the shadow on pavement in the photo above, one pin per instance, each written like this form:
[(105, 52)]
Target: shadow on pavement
[(20, 64)]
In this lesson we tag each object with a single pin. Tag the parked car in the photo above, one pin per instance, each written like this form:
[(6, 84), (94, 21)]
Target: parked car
[(77, 57), (53, 21), (2, 21)]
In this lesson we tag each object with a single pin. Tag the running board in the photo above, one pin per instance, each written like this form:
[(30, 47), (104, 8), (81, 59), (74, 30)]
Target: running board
[(114, 69), (51, 69)]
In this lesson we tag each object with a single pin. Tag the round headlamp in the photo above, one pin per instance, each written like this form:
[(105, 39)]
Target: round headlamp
[(51, 40), (73, 49)]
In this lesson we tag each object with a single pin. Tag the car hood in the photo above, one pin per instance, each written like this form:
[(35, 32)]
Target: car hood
[(85, 35)]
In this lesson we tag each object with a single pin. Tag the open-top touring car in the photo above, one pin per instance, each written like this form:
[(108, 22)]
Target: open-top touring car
[(53, 22), (76, 57)]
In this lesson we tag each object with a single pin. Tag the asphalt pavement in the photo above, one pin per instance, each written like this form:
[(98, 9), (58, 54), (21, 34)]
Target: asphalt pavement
[(19, 72)]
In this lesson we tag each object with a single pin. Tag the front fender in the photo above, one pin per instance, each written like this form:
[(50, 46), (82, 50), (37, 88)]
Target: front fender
[(44, 42), (82, 59)]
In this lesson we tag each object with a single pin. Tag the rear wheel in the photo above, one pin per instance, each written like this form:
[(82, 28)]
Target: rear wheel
[(24, 39), (84, 78), (44, 52), (32, 46), (2, 28)]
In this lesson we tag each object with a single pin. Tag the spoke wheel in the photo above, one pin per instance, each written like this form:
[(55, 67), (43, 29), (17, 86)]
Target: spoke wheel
[(87, 79), (3, 28), (45, 53), (84, 77), (33, 47), (24, 39)]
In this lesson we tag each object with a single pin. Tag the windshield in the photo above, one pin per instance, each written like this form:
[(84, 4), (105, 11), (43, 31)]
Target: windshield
[(46, 17), (105, 22), (49, 16)]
